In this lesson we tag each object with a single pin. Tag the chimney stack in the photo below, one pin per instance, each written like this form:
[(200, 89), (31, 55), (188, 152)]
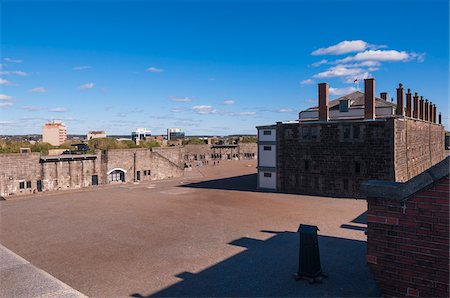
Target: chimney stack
[(416, 113), (408, 103), (400, 100), (369, 98), (323, 102), (440, 119), (384, 95), (434, 114), (426, 111), (422, 108)]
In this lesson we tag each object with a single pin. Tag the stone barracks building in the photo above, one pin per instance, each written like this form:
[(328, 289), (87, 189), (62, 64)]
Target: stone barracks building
[(335, 146), (25, 173)]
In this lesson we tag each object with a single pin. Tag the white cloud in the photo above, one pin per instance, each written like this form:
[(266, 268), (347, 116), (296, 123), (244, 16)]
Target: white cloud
[(13, 72), (285, 110), (378, 55), (58, 110), (6, 122), (342, 91), (87, 86), (338, 71), (32, 108), (4, 105), (343, 47), (6, 82), (243, 113), (180, 98), (307, 82), (82, 67), (212, 79), (154, 69), (4, 97), (38, 90), (204, 109), (12, 60), (228, 102), (359, 77), (177, 109), (319, 63)]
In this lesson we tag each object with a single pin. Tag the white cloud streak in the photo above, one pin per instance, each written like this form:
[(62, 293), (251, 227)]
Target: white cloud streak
[(13, 72), (58, 110), (13, 60), (38, 90), (6, 82), (228, 102), (4, 97), (87, 86), (155, 69), (180, 98), (344, 47), (5, 105), (341, 91), (82, 67)]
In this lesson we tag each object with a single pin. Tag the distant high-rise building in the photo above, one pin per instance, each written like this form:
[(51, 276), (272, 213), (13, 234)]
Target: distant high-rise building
[(54, 132), (96, 135), (140, 134), (174, 134)]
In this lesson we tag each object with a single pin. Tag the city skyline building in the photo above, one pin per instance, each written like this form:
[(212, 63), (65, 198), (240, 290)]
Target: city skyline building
[(54, 133)]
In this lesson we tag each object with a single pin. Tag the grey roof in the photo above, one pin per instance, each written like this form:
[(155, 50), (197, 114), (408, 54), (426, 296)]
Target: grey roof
[(402, 191), (356, 101)]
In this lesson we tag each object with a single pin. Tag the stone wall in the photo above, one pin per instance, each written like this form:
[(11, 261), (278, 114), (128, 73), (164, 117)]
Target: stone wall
[(333, 158), (418, 146), (16, 168), (408, 242)]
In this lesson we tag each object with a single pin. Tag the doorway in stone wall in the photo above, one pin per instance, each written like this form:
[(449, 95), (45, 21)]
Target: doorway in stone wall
[(116, 175)]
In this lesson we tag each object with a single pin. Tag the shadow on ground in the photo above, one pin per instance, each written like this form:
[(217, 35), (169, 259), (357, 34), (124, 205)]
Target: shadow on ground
[(240, 183), (266, 267)]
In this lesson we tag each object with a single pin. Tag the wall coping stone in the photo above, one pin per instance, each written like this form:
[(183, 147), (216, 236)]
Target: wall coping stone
[(400, 191)]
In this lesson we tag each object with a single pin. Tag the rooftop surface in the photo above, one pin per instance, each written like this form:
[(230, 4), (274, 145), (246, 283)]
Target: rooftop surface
[(210, 234)]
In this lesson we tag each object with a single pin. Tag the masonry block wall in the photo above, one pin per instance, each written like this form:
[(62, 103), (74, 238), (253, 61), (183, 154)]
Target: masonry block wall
[(418, 146), (16, 168), (408, 243), (333, 158)]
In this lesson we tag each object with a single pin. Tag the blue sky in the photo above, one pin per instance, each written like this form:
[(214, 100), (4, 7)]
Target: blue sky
[(208, 67)]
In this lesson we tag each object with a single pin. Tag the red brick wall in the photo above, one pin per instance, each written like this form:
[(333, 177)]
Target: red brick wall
[(408, 248)]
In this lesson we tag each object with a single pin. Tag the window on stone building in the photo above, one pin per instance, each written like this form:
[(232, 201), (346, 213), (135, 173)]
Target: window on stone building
[(268, 175), (288, 133), (347, 129), (267, 132), (267, 148), (306, 165), (28, 184), (357, 168), (145, 172), (314, 132), (306, 132), (148, 172), (22, 185), (356, 132)]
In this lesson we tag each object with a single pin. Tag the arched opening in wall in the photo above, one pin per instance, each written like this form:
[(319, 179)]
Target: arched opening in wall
[(116, 175)]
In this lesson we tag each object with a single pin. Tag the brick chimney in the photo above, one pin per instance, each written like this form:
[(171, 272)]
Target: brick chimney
[(384, 95), (422, 108), (426, 114), (369, 98), (434, 114), (430, 112), (323, 102), (416, 113), (400, 100), (408, 103), (440, 118)]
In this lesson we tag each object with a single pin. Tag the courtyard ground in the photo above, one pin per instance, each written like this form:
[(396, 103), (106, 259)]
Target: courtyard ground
[(209, 234)]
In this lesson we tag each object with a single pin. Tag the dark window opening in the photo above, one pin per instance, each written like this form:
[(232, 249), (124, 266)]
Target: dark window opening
[(267, 148), (39, 185), (347, 131), (357, 167), (314, 132), (306, 131), (21, 185), (28, 184), (268, 175), (267, 132), (138, 175), (356, 132), (306, 165), (343, 105)]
